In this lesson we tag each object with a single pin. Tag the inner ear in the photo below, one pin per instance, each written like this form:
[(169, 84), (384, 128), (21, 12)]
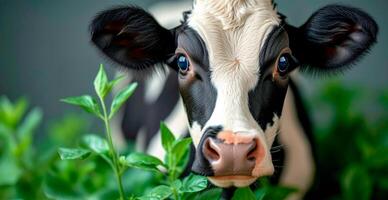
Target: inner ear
[(334, 37)]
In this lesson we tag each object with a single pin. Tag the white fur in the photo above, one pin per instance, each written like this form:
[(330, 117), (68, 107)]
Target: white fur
[(233, 55), (232, 13), (299, 165), (195, 132), (234, 33), (177, 122), (154, 87), (169, 14)]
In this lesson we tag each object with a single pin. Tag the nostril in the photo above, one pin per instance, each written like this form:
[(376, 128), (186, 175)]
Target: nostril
[(210, 151), (251, 155)]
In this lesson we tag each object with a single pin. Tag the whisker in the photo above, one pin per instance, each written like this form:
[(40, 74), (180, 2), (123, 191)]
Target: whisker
[(276, 150), (280, 146)]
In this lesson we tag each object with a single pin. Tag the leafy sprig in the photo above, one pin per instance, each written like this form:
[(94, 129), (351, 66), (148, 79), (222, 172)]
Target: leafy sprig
[(94, 144)]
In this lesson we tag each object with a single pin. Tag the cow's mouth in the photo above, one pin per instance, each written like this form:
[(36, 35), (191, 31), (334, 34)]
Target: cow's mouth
[(229, 181), (225, 181)]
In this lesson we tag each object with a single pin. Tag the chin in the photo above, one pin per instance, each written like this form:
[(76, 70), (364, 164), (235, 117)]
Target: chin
[(229, 181), (241, 180)]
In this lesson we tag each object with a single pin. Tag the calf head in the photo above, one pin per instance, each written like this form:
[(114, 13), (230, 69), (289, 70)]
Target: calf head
[(233, 59)]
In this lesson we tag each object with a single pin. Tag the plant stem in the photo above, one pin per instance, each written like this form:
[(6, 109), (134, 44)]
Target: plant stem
[(175, 193), (113, 152)]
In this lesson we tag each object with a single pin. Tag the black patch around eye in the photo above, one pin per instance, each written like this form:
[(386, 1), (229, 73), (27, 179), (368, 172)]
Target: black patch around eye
[(274, 43), (199, 96), (199, 99), (193, 44)]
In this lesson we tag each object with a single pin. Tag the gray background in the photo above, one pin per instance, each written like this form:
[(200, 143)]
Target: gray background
[(45, 53)]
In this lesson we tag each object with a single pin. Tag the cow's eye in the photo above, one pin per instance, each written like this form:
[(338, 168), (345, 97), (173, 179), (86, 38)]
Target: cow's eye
[(284, 64), (183, 63)]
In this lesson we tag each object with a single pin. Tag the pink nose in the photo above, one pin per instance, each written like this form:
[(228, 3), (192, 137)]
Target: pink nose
[(231, 155)]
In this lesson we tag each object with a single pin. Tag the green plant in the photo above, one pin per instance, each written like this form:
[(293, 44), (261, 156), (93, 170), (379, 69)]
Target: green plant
[(24, 160), (18, 177), (32, 170), (177, 149), (353, 142), (95, 144), (177, 154)]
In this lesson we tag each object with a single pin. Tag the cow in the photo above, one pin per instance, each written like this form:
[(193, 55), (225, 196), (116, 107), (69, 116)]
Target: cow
[(231, 70)]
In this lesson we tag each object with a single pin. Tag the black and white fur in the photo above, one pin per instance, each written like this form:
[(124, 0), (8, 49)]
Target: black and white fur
[(331, 40)]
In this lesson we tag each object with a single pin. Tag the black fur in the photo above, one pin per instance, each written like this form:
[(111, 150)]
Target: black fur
[(271, 47), (333, 38), (199, 96), (139, 114), (267, 98), (201, 165), (227, 193), (132, 37)]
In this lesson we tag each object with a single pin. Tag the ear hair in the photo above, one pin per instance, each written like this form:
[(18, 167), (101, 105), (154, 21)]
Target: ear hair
[(333, 39), (132, 37)]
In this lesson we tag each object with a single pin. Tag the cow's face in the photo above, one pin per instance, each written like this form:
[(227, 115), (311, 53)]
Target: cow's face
[(233, 60)]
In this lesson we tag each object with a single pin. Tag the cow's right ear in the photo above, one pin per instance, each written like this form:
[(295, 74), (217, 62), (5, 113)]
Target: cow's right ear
[(132, 37)]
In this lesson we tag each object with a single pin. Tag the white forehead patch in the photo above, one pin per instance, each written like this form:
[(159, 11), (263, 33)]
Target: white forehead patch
[(232, 13), (236, 49)]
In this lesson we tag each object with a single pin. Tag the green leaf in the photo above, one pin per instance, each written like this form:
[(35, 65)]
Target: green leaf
[(274, 192), (210, 194), (115, 81), (30, 123), (177, 185), (143, 161), (101, 85), (25, 132), (270, 192), (179, 149), (378, 159), (357, 183), (71, 154), (10, 172), (86, 102), (96, 144), (67, 129), (194, 183), (214, 193), (121, 97), (7, 141), (158, 193), (167, 137), (55, 187), (244, 194), (260, 193), (11, 114)]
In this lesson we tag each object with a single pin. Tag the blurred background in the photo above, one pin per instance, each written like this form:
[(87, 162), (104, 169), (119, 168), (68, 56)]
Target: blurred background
[(46, 55), (46, 52)]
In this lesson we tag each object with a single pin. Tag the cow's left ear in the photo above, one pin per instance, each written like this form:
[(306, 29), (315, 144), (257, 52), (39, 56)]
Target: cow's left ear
[(334, 37)]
